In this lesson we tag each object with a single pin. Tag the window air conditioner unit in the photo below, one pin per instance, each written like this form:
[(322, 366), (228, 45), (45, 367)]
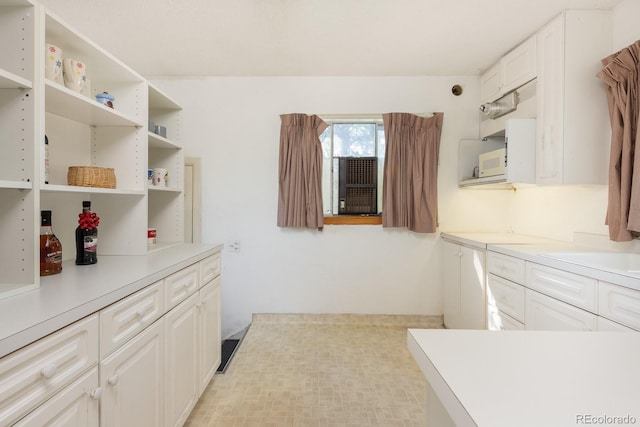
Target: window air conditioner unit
[(357, 188)]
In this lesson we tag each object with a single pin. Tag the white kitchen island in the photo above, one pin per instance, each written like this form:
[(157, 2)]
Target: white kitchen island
[(529, 378)]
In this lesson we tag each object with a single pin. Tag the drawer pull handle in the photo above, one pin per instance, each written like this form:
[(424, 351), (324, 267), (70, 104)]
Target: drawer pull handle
[(49, 371), (140, 313), (96, 394), (113, 381)]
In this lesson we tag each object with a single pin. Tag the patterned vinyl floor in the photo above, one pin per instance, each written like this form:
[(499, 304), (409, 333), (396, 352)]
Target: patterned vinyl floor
[(319, 370)]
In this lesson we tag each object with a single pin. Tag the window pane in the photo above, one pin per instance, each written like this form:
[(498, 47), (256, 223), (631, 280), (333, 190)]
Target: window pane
[(327, 193), (354, 139)]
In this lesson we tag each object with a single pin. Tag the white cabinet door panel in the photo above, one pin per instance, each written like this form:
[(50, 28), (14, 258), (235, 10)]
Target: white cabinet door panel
[(506, 266), (506, 296), (132, 379), (181, 374), (180, 285), (548, 314), (36, 372), (210, 332), (451, 254), (76, 405), (210, 268), (519, 66), (619, 304)]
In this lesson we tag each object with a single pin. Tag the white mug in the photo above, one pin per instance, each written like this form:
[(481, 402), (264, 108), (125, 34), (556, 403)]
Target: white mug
[(75, 74), (53, 64), (160, 177)]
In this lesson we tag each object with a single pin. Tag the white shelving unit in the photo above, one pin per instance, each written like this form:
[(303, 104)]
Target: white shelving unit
[(18, 130), (81, 132), (166, 204)]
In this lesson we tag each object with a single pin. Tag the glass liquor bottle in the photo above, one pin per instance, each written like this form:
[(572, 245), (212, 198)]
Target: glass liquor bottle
[(87, 236), (50, 247)]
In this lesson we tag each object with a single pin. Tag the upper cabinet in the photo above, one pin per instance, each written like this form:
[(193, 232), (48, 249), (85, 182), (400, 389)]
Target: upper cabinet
[(512, 71), (573, 119), (36, 103)]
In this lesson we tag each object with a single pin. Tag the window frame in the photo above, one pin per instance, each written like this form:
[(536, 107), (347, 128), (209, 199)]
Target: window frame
[(369, 119)]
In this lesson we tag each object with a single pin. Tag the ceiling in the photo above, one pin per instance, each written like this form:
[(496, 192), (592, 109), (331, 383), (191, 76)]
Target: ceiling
[(311, 37)]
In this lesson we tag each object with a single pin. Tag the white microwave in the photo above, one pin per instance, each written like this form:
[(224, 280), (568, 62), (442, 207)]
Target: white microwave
[(493, 163)]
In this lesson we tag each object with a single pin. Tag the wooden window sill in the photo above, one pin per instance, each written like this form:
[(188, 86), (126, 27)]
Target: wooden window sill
[(352, 220)]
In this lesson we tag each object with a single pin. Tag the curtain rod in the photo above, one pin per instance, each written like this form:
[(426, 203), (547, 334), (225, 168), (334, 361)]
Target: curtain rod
[(368, 116)]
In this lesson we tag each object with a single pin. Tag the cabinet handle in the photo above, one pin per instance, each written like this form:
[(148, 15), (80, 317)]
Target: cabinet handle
[(49, 371), (140, 312), (113, 381), (96, 394)]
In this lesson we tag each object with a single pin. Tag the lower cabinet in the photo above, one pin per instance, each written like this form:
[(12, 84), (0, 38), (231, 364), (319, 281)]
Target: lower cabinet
[(74, 406), (181, 369), (142, 361), (210, 334), (464, 287), (549, 314), (132, 381)]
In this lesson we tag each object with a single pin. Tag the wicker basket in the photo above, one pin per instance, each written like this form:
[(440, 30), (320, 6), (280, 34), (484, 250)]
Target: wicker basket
[(91, 176)]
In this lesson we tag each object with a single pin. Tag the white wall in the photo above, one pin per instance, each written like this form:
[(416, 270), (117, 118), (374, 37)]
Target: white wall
[(233, 124)]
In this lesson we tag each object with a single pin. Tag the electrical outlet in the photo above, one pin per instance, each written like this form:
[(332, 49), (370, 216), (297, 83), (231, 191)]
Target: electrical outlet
[(234, 246)]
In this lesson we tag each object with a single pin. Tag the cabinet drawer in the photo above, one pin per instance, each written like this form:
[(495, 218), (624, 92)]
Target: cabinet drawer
[(506, 296), (619, 304), (577, 290), (75, 405), (548, 314), (209, 268), (180, 285), (607, 325), (36, 372), (506, 266), (500, 321), (123, 320)]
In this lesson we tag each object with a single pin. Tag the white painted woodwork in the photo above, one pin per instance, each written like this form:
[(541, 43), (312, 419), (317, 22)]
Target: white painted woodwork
[(543, 313), (36, 372), (123, 320), (511, 268), (580, 291), (506, 296), (132, 379), (77, 405), (180, 285), (210, 268), (606, 325), (181, 369), (573, 119), (619, 304), (209, 332)]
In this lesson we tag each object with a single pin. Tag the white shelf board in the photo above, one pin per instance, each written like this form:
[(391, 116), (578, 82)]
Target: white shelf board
[(160, 101), (101, 65), (161, 246), (94, 190), (165, 189), (20, 185), (157, 141), (471, 182), (9, 80), (65, 102)]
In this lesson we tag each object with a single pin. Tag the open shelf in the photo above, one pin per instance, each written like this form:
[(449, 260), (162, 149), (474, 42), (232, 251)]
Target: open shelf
[(9, 80), (20, 185), (157, 141), (92, 190)]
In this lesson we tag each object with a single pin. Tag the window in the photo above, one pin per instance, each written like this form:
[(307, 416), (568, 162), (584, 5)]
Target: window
[(356, 145)]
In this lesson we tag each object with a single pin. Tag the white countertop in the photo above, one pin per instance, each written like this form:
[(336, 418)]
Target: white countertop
[(81, 290), (530, 378), (533, 249)]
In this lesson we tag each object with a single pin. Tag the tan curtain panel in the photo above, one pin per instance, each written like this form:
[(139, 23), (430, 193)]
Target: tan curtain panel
[(410, 188), (300, 171), (620, 73)]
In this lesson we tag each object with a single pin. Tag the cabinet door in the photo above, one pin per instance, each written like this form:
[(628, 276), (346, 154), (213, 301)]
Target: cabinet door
[(490, 82), (181, 374), (519, 66), (75, 406), (210, 332), (451, 254), (132, 381), (472, 290), (548, 314), (550, 99)]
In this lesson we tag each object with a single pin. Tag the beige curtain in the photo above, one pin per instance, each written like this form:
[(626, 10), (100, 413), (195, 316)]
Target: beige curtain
[(620, 73), (409, 195), (300, 171)]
